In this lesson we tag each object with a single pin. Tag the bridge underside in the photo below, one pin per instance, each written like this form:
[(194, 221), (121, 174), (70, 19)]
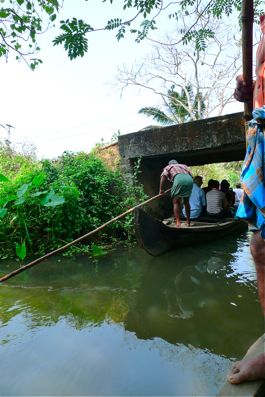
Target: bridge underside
[(214, 140)]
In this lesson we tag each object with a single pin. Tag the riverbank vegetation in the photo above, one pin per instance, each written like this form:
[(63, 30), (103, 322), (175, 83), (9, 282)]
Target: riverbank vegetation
[(45, 204), (219, 171)]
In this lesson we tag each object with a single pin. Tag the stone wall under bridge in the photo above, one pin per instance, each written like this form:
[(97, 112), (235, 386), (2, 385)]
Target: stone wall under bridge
[(213, 140)]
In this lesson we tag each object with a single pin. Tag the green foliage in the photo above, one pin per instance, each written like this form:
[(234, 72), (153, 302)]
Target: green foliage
[(230, 171), (21, 21), (146, 26), (97, 251), (21, 250), (178, 108), (55, 202), (73, 38), (157, 115), (15, 164), (113, 24), (199, 37)]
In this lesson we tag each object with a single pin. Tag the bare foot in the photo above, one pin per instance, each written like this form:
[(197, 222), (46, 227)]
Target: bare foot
[(187, 223), (247, 370), (178, 224)]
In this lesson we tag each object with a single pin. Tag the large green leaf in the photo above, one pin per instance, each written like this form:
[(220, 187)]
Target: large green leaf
[(3, 212), (21, 250), (52, 200), (20, 200), (56, 200), (22, 190), (37, 194)]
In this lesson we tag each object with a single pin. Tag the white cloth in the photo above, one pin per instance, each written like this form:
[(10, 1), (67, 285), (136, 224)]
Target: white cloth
[(238, 194), (216, 201), (197, 201)]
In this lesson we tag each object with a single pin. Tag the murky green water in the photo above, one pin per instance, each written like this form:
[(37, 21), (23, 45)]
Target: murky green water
[(129, 324)]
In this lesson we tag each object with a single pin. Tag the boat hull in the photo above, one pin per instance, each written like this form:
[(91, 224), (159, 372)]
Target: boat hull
[(157, 238)]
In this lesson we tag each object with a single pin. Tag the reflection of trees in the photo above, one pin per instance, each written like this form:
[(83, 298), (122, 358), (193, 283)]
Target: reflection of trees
[(79, 307), (191, 296), (80, 291)]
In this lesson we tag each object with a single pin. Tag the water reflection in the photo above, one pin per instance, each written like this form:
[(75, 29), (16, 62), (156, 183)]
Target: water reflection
[(176, 311)]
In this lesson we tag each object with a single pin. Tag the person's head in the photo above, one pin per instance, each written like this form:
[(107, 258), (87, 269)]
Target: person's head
[(198, 180), (215, 184), (210, 182), (172, 162), (225, 185), (238, 185)]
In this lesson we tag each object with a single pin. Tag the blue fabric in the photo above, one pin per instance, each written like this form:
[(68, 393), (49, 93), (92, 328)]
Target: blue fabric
[(252, 205), (197, 201)]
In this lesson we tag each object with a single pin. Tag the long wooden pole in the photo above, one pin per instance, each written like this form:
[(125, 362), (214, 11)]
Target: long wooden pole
[(247, 50), (89, 234)]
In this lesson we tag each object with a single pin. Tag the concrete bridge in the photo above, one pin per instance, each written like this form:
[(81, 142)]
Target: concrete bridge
[(213, 140)]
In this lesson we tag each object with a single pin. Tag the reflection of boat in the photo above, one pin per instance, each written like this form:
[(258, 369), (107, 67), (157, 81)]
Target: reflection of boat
[(157, 236)]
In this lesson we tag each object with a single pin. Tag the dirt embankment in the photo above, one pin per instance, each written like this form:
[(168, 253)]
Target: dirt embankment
[(109, 155)]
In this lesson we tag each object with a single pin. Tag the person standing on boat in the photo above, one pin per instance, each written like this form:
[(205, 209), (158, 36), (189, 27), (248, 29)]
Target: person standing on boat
[(252, 204), (180, 177), (197, 199)]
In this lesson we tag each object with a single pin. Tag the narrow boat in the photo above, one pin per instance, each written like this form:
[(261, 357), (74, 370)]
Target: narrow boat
[(159, 236)]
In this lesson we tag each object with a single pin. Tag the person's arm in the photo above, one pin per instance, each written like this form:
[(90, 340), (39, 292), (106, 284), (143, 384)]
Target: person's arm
[(162, 183)]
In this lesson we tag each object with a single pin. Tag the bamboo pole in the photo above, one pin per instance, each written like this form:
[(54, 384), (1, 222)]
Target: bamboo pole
[(89, 234), (247, 51)]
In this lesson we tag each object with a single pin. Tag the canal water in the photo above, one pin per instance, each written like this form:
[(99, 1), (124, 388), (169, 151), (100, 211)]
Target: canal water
[(128, 323)]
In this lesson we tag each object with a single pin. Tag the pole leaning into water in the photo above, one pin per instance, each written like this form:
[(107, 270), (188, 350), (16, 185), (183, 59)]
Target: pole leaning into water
[(63, 248)]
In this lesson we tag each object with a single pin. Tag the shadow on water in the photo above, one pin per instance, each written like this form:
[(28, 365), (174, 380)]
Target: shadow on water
[(189, 307)]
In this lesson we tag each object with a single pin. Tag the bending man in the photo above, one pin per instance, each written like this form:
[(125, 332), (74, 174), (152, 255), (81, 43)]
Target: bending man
[(180, 176)]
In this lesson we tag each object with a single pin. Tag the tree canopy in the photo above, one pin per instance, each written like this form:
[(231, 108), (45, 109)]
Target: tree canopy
[(189, 84), (177, 107), (21, 22)]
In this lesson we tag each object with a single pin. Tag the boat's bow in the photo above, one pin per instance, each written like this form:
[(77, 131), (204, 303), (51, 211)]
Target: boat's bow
[(150, 233)]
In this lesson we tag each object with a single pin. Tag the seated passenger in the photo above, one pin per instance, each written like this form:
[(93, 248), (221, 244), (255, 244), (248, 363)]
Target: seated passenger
[(216, 201), (197, 199), (206, 189), (238, 194), (229, 194)]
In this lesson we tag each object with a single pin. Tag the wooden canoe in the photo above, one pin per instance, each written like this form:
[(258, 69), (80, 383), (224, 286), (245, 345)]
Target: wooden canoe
[(157, 236)]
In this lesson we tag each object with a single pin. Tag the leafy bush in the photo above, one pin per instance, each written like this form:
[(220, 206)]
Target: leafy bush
[(53, 202)]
